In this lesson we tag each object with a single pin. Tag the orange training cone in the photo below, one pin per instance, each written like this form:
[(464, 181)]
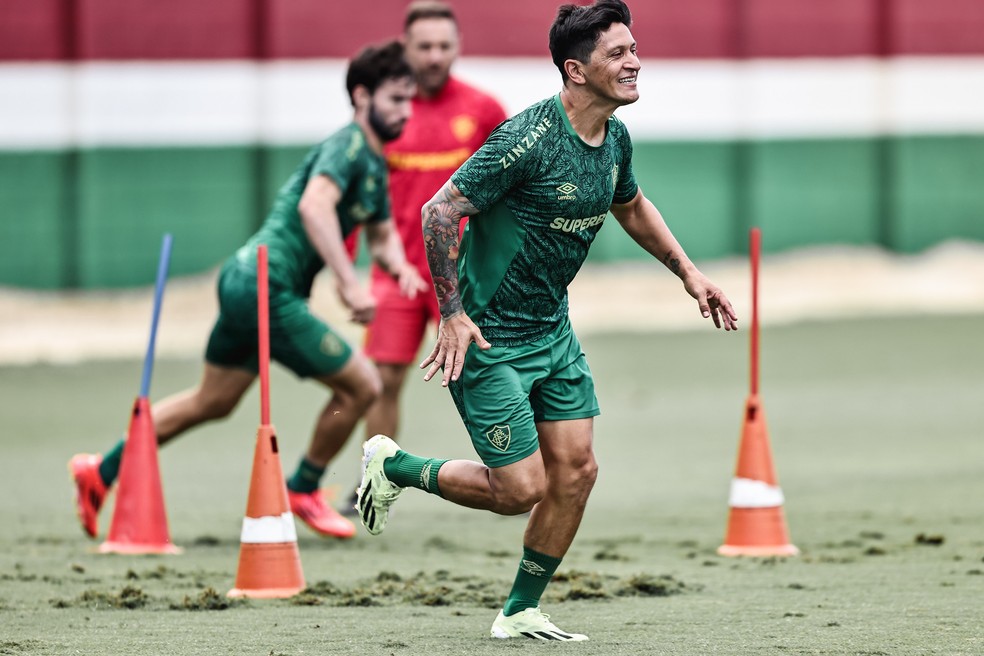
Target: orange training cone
[(756, 525), (139, 520), (269, 561)]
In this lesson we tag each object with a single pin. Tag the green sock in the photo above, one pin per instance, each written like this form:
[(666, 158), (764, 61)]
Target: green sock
[(306, 478), (408, 470), (535, 571), (109, 468)]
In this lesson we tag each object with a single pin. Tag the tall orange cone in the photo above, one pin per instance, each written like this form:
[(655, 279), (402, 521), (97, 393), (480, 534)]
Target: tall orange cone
[(756, 524), (269, 561), (139, 521)]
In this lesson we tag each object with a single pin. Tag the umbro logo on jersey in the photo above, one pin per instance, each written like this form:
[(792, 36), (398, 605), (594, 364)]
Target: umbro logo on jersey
[(567, 191), (425, 477), (530, 567)]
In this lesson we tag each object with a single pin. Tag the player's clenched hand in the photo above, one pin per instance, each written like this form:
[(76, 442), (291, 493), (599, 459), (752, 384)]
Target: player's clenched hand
[(357, 299), (711, 301), (454, 336)]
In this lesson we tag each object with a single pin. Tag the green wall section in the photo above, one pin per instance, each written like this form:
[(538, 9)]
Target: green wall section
[(693, 186), (128, 198), (35, 213), (95, 218), (814, 192), (939, 190)]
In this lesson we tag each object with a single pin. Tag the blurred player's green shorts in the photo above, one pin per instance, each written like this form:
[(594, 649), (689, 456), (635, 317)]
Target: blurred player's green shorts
[(298, 340), (503, 392)]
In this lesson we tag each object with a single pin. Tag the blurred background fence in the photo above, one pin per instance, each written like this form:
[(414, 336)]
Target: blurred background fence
[(835, 122)]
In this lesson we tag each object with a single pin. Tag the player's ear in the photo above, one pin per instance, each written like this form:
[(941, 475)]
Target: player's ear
[(574, 70), (361, 96)]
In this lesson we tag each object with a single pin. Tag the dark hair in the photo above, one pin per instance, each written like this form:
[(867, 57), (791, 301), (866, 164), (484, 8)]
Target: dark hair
[(420, 9), (374, 65), (575, 32)]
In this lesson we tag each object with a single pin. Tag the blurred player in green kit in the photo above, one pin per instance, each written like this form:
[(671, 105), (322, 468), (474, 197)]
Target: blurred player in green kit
[(450, 120), (341, 184), (535, 194)]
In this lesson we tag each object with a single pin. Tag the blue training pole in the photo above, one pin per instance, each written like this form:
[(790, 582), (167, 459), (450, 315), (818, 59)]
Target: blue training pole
[(162, 267)]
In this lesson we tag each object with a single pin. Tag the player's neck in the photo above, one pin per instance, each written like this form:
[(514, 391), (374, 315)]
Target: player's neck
[(431, 94), (587, 113), (372, 139)]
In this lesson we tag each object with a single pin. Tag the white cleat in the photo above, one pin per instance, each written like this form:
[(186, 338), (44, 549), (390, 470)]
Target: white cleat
[(531, 623), (376, 493)]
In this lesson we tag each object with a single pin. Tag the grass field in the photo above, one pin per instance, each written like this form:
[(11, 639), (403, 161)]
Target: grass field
[(876, 429)]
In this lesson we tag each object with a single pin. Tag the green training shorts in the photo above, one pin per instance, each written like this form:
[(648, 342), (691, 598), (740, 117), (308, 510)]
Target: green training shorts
[(298, 340), (503, 392)]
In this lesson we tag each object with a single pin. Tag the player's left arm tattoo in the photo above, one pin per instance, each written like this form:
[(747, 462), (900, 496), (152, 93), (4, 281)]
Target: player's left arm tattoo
[(672, 262), (441, 219)]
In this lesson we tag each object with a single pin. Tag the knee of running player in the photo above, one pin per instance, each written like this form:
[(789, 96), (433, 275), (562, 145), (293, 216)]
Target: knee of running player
[(574, 478), (517, 494), (358, 384)]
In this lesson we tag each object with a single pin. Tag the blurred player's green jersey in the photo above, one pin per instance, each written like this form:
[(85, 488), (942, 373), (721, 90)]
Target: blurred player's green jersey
[(542, 194), (360, 174)]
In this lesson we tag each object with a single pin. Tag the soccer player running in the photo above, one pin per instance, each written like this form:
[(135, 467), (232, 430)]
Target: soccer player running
[(450, 120), (339, 185), (536, 192)]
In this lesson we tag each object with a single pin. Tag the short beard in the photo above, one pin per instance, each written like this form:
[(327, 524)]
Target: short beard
[(383, 131)]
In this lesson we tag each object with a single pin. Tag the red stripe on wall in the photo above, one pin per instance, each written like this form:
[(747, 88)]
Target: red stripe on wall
[(796, 28), (33, 30), (316, 28), (927, 27), (246, 29), (166, 29), (698, 29)]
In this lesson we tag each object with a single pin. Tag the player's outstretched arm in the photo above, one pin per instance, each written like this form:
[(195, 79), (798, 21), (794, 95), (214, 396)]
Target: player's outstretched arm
[(643, 222), (441, 219)]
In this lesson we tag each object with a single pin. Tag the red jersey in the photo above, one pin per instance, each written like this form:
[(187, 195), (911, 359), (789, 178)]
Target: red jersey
[(441, 134)]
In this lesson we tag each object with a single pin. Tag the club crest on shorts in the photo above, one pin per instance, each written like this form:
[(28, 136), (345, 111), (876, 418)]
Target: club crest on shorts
[(331, 345), (499, 436)]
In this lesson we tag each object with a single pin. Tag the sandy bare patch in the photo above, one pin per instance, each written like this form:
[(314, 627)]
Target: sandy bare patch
[(808, 284)]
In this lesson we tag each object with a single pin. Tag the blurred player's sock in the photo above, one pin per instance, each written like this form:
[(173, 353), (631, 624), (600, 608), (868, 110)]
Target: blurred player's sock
[(109, 468), (90, 491), (306, 478), (407, 470), (535, 572)]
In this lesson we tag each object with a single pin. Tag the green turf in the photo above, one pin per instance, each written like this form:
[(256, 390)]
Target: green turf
[(876, 434)]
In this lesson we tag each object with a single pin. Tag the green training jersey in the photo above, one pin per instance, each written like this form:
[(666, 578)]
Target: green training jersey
[(542, 194), (360, 174)]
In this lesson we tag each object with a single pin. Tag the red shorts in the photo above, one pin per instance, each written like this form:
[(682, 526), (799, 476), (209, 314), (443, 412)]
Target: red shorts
[(395, 334)]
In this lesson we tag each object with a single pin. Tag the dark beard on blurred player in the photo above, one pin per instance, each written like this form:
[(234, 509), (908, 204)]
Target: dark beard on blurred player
[(382, 130)]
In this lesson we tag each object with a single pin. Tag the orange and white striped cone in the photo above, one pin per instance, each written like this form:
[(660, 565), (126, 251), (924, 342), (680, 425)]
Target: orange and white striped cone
[(269, 560), (756, 524)]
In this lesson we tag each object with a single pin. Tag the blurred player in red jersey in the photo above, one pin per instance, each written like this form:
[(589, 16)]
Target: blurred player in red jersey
[(450, 120)]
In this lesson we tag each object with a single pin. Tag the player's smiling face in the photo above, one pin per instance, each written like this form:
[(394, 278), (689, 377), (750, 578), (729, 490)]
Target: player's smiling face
[(613, 69)]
